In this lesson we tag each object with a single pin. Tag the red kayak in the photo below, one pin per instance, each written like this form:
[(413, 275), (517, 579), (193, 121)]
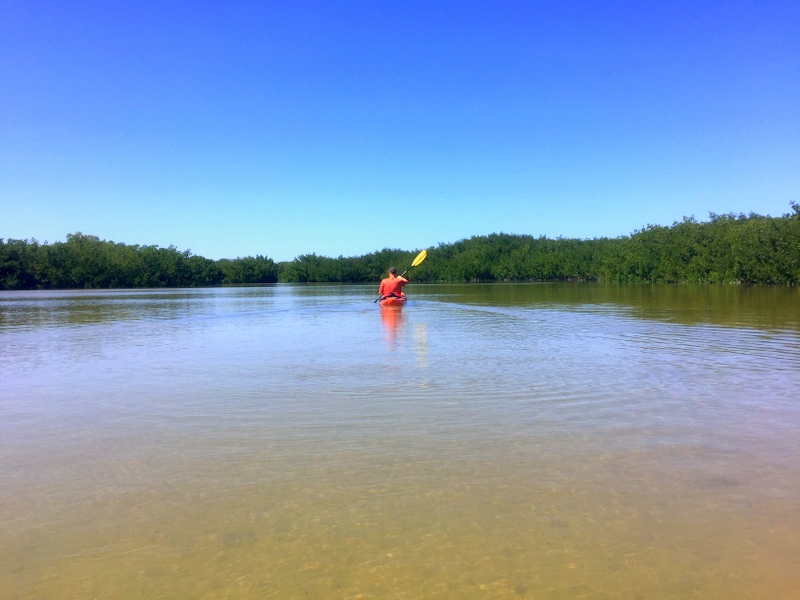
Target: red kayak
[(394, 301)]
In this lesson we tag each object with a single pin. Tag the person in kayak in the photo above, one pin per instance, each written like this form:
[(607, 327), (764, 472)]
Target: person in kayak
[(392, 286)]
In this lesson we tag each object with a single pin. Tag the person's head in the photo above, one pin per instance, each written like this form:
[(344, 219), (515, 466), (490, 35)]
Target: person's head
[(392, 271)]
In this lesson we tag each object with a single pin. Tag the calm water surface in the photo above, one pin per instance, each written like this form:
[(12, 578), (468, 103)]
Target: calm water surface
[(487, 441)]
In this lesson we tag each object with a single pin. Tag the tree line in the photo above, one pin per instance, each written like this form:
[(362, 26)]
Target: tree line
[(727, 248), (85, 261)]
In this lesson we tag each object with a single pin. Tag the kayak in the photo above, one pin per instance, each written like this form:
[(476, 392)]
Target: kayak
[(393, 301)]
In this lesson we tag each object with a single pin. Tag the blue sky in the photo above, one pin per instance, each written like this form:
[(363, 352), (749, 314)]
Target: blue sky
[(343, 127)]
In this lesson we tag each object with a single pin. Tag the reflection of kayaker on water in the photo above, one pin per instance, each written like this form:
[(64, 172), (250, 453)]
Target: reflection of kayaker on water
[(392, 319), (392, 286)]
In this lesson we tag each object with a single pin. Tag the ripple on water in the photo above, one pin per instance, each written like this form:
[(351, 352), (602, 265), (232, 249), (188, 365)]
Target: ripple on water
[(287, 442)]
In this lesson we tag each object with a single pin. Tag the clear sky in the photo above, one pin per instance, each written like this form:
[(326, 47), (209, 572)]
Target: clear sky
[(342, 127)]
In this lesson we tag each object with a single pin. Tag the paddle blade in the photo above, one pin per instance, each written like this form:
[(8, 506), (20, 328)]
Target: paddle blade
[(420, 257)]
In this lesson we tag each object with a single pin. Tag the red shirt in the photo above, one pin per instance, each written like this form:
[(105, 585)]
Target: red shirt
[(392, 284)]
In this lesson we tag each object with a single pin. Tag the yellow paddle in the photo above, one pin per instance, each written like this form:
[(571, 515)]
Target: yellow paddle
[(418, 260), (420, 257)]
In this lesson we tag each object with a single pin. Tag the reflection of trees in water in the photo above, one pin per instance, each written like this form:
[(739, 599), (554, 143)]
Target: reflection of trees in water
[(764, 307)]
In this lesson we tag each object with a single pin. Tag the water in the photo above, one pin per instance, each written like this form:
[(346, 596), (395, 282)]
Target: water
[(486, 441)]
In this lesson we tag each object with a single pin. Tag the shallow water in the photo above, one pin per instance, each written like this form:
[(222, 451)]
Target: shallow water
[(537, 441)]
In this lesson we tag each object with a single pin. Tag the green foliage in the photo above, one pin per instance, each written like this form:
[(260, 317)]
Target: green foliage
[(258, 269), (85, 261), (728, 248), (362, 269)]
